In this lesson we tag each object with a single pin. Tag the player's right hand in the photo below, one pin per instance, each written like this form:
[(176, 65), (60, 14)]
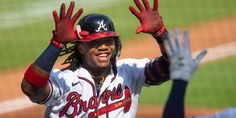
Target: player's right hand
[(182, 65), (64, 25)]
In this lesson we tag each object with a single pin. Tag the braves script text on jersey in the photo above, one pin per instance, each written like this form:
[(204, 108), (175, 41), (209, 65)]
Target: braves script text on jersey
[(73, 94)]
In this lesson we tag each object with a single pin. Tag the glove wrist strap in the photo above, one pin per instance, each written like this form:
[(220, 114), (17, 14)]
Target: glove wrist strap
[(159, 33), (57, 44)]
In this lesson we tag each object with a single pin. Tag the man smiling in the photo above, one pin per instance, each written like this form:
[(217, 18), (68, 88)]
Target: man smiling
[(95, 83)]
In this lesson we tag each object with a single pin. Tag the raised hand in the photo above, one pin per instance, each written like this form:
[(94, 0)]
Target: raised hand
[(64, 25), (150, 19), (182, 65)]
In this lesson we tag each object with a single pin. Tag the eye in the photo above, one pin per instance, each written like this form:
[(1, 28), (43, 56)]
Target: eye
[(98, 42), (109, 41), (92, 43)]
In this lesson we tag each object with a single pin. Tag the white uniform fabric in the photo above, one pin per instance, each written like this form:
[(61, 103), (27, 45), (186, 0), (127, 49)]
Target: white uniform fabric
[(73, 94), (228, 113)]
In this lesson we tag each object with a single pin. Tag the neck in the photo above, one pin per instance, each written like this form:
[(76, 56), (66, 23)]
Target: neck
[(99, 78), (98, 74)]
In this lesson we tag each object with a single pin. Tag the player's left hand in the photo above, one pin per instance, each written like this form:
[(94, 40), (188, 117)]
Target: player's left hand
[(150, 19), (182, 65)]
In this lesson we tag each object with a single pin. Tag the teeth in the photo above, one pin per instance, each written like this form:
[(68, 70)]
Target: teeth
[(102, 55)]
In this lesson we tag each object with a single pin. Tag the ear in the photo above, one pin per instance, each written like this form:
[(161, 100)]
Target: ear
[(80, 49)]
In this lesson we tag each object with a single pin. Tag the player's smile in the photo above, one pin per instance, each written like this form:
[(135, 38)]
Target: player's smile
[(97, 53), (102, 57)]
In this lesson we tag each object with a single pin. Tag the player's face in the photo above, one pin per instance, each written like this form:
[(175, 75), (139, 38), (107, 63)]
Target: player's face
[(97, 53)]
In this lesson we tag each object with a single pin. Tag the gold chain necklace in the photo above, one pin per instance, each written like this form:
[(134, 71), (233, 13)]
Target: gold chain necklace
[(101, 81)]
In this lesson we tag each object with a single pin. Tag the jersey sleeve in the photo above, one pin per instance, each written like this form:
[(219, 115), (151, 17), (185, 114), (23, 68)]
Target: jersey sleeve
[(144, 71), (58, 86), (157, 70), (133, 70)]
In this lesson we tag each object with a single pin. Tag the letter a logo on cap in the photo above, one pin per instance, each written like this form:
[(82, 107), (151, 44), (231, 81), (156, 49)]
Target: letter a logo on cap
[(101, 25)]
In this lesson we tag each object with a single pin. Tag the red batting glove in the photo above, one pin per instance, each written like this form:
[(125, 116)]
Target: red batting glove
[(150, 19), (64, 26)]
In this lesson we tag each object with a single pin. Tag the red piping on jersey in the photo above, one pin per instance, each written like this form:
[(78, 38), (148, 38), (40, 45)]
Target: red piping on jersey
[(50, 94), (92, 85), (113, 78)]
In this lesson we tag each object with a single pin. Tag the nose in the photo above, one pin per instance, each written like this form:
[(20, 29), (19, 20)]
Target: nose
[(102, 47)]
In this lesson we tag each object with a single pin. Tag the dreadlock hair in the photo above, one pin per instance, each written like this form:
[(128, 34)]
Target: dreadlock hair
[(75, 58), (115, 55)]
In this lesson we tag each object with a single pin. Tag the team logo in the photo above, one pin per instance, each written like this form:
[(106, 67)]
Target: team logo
[(76, 105), (74, 84), (101, 26)]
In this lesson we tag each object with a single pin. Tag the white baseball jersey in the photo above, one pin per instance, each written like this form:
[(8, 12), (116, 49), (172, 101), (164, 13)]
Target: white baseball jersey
[(74, 94)]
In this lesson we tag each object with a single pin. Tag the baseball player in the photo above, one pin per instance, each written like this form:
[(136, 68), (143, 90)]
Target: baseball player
[(95, 83), (182, 66)]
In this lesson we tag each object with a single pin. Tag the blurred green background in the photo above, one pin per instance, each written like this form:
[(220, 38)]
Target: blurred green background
[(26, 26)]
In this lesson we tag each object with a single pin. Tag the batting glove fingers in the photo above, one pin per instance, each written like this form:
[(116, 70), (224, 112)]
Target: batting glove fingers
[(182, 65), (64, 25), (150, 19)]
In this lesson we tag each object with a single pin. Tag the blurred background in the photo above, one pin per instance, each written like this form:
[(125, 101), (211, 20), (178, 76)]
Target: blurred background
[(26, 28)]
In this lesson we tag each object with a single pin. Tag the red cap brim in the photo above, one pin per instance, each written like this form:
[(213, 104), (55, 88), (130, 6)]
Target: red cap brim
[(98, 35)]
